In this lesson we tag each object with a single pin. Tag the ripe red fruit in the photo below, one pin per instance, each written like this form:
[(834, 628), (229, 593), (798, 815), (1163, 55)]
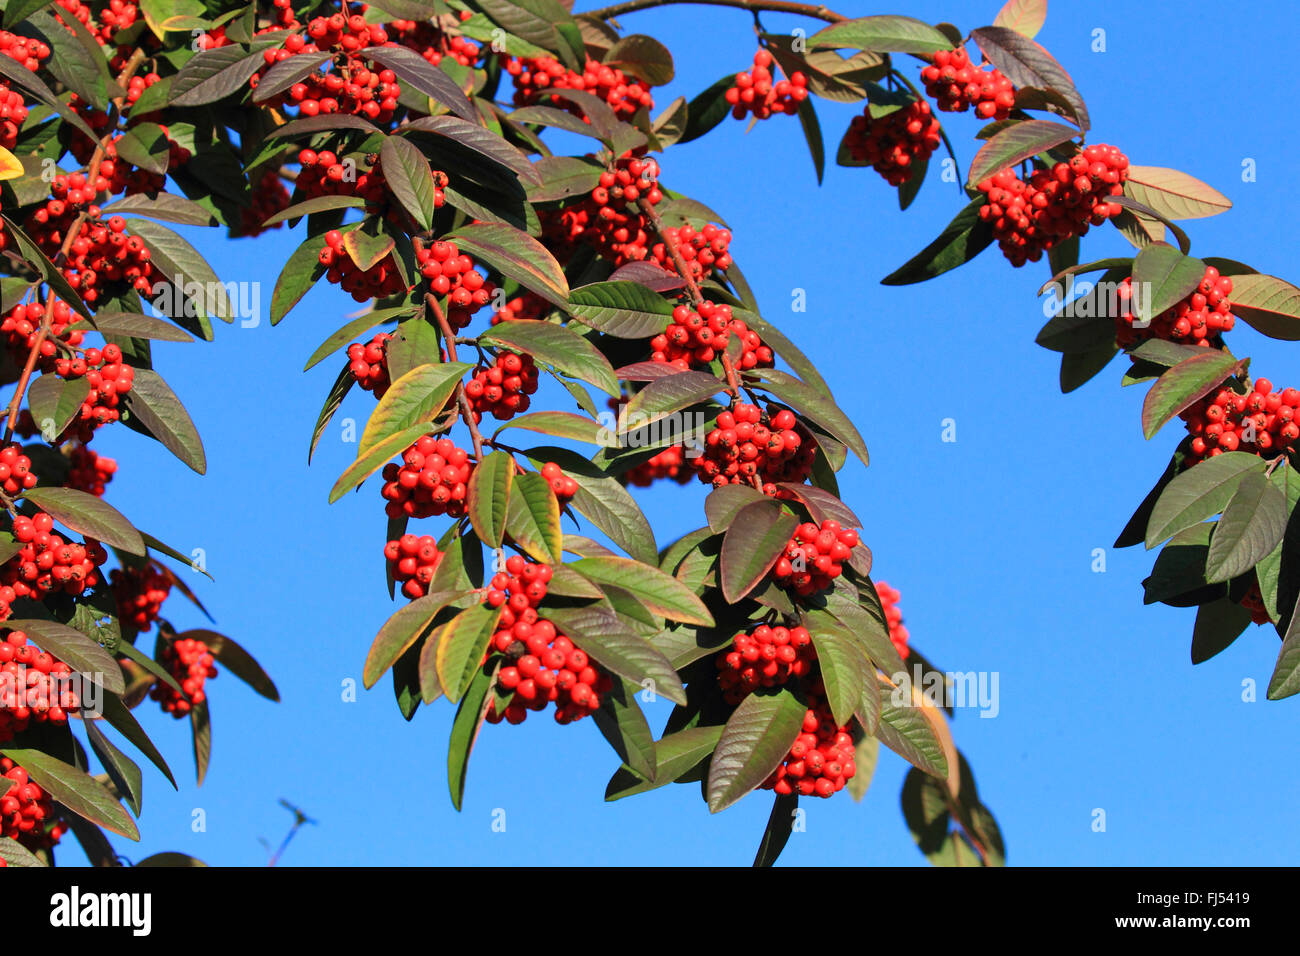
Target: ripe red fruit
[(191, 663)]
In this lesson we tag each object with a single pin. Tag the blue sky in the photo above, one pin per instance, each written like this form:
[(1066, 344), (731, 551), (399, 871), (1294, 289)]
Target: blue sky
[(990, 539)]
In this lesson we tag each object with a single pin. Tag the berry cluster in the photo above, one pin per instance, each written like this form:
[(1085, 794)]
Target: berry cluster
[(1199, 319), (956, 84), (1253, 601), (380, 280), (609, 220), (527, 306), (765, 657), (21, 324), (102, 260), (453, 274), (894, 144), (750, 446), (26, 810), (754, 92), (109, 378), (1054, 205), (535, 77), (1260, 422), (269, 196), (433, 43), (25, 50), (191, 664), (325, 173), (695, 337), (368, 364), (504, 388), (702, 250), (47, 563), (412, 560), (88, 471), (15, 470), (34, 687), (139, 593), (563, 486), (893, 617), (544, 666), (431, 480), (13, 108), (671, 463), (820, 761), (350, 86), (814, 557)]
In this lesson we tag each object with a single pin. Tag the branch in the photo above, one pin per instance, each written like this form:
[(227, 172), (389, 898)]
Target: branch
[(816, 11)]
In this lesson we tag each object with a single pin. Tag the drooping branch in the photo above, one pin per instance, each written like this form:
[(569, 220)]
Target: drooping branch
[(815, 11)]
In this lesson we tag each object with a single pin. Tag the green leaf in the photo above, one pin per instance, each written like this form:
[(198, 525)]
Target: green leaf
[(677, 754), (75, 789), (845, 671), (375, 458), (299, 274), (563, 176), (1026, 17), (558, 347), (779, 826), (1025, 63), (88, 514), (1268, 304), (1078, 368), (201, 739), (812, 134), (517, 256), (606, 639), (414, 399), (533, 518), (1016, 143), (1166, 277), (1184, 385), (508, 160), (461, 644), (865, 754), (124, 722), (353, 330), (814, 404), (906, 730), (13, 852), (489, 496), (961, 241), (724, 503), (1199, 493), (16, 11), (154, 407), (1174, 193), (756, 738), (667, 395), (660, 592), (338, 391), (882, 34), (560, 425), (1285, 681), (146, 146), (137, 326), (643, 57), (212, 75), (707, 109), (401, 631), (148, 663), (120, 768), (236, 660), (1253, 523), (172, 860), (55, 402), (79, 652), (623, 309), (464, 731), (624, 726), (410, 178), (606, 503), (1218, 624), (756, 539)]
